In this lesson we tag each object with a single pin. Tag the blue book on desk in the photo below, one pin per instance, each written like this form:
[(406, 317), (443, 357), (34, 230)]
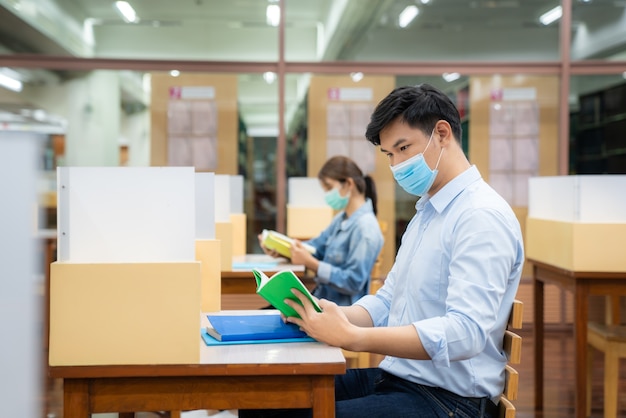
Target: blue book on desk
[(252, 327)]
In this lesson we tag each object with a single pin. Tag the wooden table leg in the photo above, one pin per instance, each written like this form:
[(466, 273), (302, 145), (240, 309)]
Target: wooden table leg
[(323, 397), (612, 309), (76, 398), (581, 309), (50, 256), (538, 328)]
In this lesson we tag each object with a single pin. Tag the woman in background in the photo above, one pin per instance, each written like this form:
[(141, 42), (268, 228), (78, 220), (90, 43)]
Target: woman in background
[(348, 248)]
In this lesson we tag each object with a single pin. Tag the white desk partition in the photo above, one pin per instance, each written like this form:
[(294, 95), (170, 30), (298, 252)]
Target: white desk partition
[(236, 194), (222, 198), (126, 214), (205, 206), (579, 198), (577, 222), (305, 191), (20, 355)]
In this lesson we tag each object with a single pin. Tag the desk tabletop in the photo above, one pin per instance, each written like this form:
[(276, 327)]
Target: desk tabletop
[(578, 274), (264, 262), (274, 353), (306, 358)]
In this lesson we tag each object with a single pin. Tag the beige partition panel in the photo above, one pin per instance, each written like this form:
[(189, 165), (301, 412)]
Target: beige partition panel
[(577, 246), (238, 220), (318, 101), (225, 86), (307, 222), (224, 233), (124, 313), (208, 252)]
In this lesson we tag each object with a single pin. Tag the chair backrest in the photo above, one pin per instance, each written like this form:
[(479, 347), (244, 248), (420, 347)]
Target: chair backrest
[(376, 275), (513, 350)]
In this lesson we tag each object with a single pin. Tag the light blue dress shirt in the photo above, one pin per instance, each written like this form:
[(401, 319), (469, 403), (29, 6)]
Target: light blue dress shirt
[(347, 250), (455, 277)]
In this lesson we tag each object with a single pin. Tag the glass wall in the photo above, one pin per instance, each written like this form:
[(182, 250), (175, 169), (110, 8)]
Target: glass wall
[(397, 30), (598, 124), (200, 30), (598, 30), (323, 38)]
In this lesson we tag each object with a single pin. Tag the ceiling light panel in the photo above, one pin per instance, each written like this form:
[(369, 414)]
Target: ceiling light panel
[(407, 15), (126, 11), (551, 15)]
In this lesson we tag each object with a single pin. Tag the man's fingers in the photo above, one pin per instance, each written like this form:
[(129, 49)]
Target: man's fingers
[(304, 307), (303, 299), (299, 310)]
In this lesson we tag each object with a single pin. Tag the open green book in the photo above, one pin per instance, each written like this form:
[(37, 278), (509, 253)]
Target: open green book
[(277, 288)]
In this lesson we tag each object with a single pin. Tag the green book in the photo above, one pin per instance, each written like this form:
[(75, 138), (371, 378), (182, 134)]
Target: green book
[(277, 288)]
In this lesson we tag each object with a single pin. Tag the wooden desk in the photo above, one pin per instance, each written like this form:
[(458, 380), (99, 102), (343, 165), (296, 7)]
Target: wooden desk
[(241, 280), (290, 375), (581, 284)]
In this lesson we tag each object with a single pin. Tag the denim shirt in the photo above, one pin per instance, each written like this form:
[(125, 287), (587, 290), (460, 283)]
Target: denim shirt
[(347, 250), (455, 277)]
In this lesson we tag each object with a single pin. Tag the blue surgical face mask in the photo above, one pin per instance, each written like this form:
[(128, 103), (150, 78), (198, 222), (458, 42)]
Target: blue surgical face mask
[(414, 175), (335, 200)]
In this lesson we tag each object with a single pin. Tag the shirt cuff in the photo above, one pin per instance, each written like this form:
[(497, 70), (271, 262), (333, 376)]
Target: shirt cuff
[(434, 340), (323, 272)]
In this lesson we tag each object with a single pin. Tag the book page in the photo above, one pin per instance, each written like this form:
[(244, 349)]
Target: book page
[(278, 288), (261, 279)]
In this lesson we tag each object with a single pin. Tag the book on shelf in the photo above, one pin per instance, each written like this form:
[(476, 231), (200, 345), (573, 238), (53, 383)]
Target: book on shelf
[(281, 243), (252, 327), (277, 288)]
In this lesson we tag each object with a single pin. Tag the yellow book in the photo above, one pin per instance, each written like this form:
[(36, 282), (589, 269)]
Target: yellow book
[(281, 243)]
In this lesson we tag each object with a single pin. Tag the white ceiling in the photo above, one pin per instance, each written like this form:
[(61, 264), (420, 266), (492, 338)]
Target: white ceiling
[(315, 30)]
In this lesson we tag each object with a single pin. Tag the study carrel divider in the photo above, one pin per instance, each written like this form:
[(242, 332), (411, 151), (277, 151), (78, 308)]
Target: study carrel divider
[(307, 212), (208, 246), (577, 222), (127, 286), (230, 221)]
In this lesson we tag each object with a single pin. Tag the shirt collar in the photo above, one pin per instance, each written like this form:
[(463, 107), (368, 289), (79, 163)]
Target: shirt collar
[(451, 190)]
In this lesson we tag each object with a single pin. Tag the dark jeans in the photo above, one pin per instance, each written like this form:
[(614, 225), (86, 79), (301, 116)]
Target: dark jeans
[(370, 393)]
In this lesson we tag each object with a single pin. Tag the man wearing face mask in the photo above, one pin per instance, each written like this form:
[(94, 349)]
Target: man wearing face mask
[(441, 314), (347, 249)]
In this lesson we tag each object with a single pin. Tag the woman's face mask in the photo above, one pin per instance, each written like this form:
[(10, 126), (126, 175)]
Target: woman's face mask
[(335, 200), (414, 175)]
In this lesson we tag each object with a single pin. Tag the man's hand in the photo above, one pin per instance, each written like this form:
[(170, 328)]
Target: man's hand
[(330, 326)]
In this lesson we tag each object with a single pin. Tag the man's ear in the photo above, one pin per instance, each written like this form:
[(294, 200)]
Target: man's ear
[(444, 133)]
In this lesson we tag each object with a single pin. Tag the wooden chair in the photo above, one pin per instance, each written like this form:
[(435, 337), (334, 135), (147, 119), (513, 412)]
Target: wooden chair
[(610, 339), (513, 350)]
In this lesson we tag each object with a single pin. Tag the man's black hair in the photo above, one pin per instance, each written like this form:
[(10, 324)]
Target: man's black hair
[(419, 106)]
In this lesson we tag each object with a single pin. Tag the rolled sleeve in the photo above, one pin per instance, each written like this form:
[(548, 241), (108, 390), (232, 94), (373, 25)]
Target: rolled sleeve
[(376, 307), (433, 337)]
